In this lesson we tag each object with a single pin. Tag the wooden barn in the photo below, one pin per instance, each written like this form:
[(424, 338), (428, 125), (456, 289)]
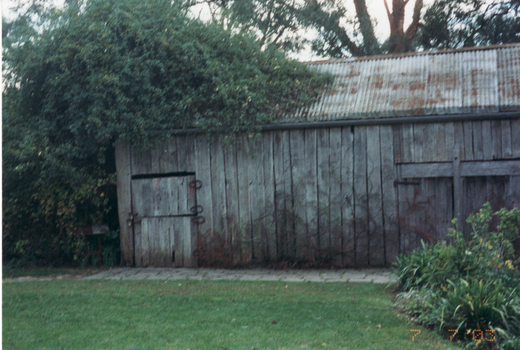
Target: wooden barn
[(391, 153)]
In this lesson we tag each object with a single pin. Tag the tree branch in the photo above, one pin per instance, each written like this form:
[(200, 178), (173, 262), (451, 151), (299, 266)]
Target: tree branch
[(278, 36), (365, 26), (388, 14), (414, 26)]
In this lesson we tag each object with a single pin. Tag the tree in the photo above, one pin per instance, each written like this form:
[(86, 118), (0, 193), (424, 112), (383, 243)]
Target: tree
[(467, 23), (80, 78), (343, 33), (280, 23)]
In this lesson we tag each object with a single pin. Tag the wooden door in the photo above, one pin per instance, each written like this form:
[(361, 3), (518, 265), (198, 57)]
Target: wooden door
[(427, 204), (162, 213), (425, 210)]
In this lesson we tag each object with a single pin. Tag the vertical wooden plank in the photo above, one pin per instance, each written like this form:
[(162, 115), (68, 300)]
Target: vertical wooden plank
[(138, 200), (202, 173), (171, 239), (450, 141), (155, 196), (153, 241), (162, 229), (361, 196), (156, 153), (419, 132), (168, 159), (323, 238), (335, 203), (496, 133), (375, 199), (506, 139), (430, 142), (513, 191), (173, 203), (189, 193), (311, 192), (269, 227), (177, 154), (444, 206), (287, 179), (478, 146), (347, 197), (192, 261), (231, 184), (179, 242), (124, 202), (154, 235), (141, 161), (487, 140), (407, 143), (410, 212), (440, 144), (257, 198), (185, 230), (192, 231), (401, 210), (187, 164), (280, 212), (515, 138), (457, 179), (298, 166), (218, 195), (467, 144), (138, 246), (388, 176), (145, 242), (243, 161), (427, 228), (284, 210), (167, 244), (396, 143)]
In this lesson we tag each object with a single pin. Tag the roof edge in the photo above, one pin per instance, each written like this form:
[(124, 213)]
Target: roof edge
[(410, 54), (361, 122)]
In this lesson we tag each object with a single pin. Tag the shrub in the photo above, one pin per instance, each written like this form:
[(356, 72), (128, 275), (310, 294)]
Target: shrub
[(468, 285)]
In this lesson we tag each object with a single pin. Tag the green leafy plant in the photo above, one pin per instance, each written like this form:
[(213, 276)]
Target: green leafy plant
[(469, 283), (80, 78)]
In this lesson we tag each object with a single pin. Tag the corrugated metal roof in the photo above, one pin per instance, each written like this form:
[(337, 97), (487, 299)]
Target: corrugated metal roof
[(436, 83)]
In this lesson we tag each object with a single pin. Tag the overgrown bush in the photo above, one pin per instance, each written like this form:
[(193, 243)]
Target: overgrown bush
[(80, 78), (467, 287)]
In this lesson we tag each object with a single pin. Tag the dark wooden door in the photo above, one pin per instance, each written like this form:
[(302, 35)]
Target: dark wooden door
[(161, 208), (425, 210)]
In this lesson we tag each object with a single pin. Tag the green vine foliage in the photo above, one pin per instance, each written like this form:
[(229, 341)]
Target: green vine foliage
[(80, 78)]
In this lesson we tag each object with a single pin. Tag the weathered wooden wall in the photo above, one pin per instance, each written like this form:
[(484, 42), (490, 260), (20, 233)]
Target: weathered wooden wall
[(348, 196)]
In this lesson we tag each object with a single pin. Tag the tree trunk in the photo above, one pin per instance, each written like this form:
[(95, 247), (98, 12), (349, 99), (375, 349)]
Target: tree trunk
[(399, 40)]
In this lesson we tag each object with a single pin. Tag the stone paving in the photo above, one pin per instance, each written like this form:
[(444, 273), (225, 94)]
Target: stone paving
[(167, 273), (152, 273)]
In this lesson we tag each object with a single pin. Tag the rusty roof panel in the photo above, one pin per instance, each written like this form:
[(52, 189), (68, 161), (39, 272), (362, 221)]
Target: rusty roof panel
[(444, 94), (480, 84), (437, 83), (508, 62)]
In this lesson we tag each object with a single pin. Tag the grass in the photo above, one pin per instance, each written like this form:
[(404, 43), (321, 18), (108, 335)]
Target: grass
[(46, 272), (103, 314)]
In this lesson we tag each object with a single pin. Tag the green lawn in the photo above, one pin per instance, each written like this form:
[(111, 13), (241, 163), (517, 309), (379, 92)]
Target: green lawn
[(102, 314), (46, 271)]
